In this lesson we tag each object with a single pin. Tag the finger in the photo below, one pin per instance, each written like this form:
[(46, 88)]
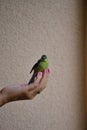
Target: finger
[(43, 81), (44, 77), (36, 82), (38, 78)]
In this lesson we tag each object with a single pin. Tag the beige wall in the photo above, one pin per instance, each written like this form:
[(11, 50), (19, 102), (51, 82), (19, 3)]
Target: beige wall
[(28, 29)]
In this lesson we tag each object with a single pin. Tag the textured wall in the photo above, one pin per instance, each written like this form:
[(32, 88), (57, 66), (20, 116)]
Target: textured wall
[(28, 29)]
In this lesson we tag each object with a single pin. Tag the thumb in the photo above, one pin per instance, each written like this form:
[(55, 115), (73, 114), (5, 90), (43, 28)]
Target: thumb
[(38, 78)]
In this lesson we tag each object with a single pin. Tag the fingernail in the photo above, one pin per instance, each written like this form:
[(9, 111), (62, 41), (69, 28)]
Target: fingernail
[(39, 74), (48, 70)]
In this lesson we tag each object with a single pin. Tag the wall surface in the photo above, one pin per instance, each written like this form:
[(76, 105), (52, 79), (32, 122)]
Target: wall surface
[(28, 29)]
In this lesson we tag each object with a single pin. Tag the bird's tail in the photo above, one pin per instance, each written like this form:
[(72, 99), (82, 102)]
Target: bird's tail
[(32, 78)]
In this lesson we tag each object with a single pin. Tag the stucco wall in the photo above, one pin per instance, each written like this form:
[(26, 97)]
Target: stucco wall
[(28, 29)]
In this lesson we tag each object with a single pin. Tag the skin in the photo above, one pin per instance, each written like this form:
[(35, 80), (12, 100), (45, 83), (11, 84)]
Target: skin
[(24, 91)]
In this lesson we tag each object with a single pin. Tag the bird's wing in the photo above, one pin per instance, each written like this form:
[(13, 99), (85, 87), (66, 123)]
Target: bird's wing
[(35, 65)]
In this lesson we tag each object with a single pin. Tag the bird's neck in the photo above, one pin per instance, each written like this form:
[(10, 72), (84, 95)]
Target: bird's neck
[(45, 61)]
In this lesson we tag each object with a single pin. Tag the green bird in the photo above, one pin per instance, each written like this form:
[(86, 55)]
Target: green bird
[(40, 66)]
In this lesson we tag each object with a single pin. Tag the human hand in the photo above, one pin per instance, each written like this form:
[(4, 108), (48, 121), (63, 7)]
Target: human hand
[(24, 91)]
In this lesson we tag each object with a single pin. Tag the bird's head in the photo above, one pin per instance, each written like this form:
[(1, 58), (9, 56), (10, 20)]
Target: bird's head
[(44, 58)]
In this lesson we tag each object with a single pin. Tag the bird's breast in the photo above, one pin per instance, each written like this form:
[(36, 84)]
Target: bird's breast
[(42, 66)]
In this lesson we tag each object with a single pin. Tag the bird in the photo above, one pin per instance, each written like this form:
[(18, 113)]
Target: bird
[(39, 66)]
